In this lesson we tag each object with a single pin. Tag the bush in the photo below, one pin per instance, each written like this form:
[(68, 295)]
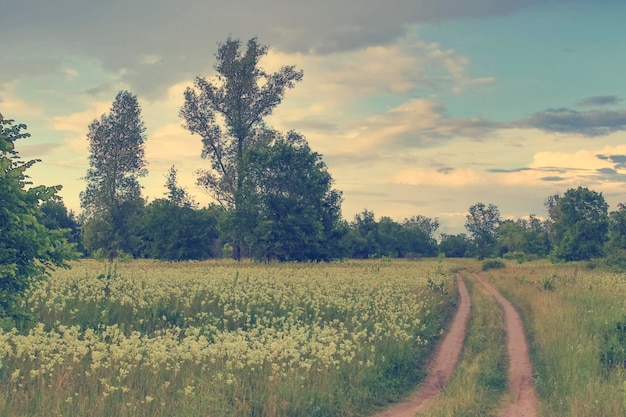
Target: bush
[(548, 283), (613, 352), (493, 264), (520, 257)]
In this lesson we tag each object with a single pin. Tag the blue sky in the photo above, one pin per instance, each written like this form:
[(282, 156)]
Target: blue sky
[(418, 106)]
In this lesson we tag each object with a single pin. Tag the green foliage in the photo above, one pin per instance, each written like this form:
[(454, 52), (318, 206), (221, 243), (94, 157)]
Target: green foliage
[(615, 248), (520, 257), (55, 216), (613, 349), (28, 249), (363, 236), (116, 233), (176, 194), (525, 235), (548, 283), (482, 224), (172, 232), (580, 225), (243, 94), (113, 194), (289, 210), (368, 238), (493, 264), (456, 246)]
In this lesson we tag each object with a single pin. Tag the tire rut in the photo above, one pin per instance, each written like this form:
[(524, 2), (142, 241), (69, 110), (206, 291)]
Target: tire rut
[(521, 384), (444, 362)]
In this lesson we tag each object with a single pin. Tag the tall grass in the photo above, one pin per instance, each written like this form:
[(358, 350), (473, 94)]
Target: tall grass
[(569, 310), (223, 339)]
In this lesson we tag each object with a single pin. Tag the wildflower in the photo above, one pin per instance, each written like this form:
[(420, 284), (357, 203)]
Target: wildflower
[(15, 375)]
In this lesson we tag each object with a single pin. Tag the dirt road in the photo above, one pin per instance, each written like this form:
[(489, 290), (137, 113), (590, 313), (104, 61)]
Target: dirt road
[(520, 369), (443, 365)]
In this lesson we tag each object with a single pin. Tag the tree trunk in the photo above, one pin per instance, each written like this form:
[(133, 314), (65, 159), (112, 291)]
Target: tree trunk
[(237, 249)]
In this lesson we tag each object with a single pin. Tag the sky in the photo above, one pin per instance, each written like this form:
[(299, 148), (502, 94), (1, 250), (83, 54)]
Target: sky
[(418, 107)]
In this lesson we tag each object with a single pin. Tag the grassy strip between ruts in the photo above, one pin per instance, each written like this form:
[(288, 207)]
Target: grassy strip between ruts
[(480, 380), (569, 312)]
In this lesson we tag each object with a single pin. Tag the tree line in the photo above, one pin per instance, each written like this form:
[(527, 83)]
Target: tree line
[(578, 227)]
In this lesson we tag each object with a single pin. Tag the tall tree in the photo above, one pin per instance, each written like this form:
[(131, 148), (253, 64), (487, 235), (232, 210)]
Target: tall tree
[(420, 231), (427, 225), (113, 193), (392, 238), (581, 225), (482, 223), (228, 114), (616, 244), (27, 247), (552, 207), (288, 205), (363, 240)]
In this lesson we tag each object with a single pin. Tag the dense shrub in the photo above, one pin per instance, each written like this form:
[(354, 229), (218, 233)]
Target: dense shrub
[(493, 264)]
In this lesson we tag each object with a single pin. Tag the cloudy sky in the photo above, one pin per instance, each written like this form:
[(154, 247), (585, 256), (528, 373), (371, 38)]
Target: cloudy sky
[(418, 106)]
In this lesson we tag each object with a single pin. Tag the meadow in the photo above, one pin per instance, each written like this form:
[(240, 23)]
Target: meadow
[(224, 338), (575, 319)]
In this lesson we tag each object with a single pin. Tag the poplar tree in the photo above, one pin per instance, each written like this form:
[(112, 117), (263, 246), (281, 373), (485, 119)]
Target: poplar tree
[(113, 193), (228, 114)]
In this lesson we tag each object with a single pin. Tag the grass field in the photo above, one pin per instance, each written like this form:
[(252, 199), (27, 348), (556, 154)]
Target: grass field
[(228, 339), (575, 316), (224, 339)]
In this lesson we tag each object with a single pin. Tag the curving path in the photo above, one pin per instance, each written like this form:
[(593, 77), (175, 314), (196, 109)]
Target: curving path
[(443, 365), (520, 369)]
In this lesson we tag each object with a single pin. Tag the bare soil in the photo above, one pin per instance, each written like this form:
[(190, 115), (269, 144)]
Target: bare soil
[(520, 369), (444, 362)]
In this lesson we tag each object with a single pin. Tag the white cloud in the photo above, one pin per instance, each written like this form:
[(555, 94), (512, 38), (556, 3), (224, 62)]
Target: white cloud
[(171, 144), (79, 122), (546, 170), (70, 73), (401, 67), (149, 59), (584, 159), (430, 176), (14, 107)]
